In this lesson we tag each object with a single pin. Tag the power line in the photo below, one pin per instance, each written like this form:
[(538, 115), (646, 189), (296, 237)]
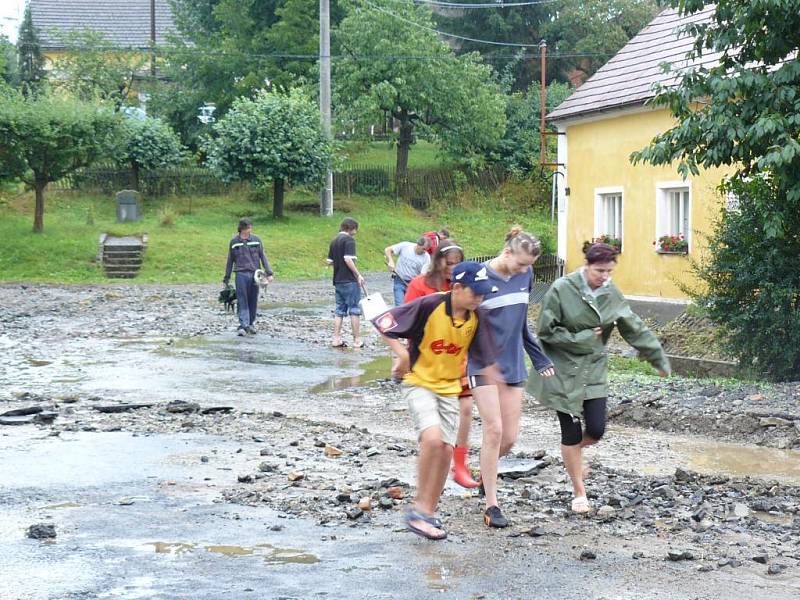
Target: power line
[(444, 33), (166, 52), (467, 5)]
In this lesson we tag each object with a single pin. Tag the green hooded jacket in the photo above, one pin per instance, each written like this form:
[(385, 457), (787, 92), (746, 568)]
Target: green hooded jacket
[(570, 312)]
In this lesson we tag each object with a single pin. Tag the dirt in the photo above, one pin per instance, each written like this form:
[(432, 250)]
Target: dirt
[(696, 490)]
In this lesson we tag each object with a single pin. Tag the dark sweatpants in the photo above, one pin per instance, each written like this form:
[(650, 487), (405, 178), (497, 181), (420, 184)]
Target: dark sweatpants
[(247, 298)]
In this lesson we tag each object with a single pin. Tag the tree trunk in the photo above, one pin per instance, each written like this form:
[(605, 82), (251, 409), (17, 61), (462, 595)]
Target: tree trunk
[(277, 199), (403, 145), (38, 215), (135, 173)]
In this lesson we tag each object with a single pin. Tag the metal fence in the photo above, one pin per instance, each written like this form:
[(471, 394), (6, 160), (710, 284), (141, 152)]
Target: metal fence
[(547, 269)]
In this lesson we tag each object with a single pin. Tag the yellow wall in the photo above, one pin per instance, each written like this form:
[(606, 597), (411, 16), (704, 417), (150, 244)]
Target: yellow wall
[(597, 157)]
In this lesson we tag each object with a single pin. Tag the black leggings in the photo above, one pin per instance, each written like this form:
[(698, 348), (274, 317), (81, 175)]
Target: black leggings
[(594, 414)]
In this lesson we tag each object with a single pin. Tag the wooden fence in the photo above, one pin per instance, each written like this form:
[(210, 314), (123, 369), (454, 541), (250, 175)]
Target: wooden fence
[(178, 181), (419, 187)]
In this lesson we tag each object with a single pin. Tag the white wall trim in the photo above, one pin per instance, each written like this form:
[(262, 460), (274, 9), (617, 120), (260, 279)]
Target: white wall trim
[(562, 182), (598, 210), (661, 188), (658, 299), (611, 113)]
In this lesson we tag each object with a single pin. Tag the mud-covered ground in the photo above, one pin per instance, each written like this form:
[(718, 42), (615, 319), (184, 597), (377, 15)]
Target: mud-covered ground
[(696, 489)]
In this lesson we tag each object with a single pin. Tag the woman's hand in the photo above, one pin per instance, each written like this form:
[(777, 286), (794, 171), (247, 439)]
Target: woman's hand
[(598, 331), (548, 372)]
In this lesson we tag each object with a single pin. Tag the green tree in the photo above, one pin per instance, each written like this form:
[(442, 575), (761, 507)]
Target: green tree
[(233, 48), (751, 285), (148, 144), (507, 25), (593, 30), (518, 151), (743, 111), (8, 63), (91, 69), (45, 139), (436, 93), (273, 137), (31, 60)]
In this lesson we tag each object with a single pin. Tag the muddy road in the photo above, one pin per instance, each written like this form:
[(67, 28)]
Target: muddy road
[(175, 460)]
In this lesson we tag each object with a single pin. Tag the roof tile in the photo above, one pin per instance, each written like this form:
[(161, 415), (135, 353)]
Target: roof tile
[(629, 77), (124, 23)]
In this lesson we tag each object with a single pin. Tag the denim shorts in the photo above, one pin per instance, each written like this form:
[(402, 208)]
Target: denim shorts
[(347, 297)]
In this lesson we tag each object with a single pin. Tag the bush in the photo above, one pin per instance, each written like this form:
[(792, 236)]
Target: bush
[(167, 216), (752, 283)]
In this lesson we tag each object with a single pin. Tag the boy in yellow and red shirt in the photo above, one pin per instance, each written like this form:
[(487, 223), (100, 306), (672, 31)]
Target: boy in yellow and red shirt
[(441, 328)]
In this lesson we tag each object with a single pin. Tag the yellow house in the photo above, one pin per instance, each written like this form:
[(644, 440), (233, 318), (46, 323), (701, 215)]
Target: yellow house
[(130, 26), (125, 24), (600, 193)]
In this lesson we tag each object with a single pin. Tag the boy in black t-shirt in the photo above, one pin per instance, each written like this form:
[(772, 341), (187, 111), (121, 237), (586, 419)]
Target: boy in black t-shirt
[(347, 282)]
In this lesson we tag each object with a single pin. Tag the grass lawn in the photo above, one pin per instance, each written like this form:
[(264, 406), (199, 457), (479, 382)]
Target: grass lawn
[(194, 248), (384, 154)]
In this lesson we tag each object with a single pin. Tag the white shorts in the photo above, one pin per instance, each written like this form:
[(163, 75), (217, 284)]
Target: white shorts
[(429, 409)]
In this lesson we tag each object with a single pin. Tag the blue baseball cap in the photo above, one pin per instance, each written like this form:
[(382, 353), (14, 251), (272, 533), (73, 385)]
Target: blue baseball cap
[(473, 275)]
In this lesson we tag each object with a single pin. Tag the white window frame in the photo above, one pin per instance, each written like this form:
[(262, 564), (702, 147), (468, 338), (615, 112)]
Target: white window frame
[(601, 216), (663, 225)]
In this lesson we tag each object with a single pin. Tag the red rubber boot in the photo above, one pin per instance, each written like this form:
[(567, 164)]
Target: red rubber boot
[(461, 472)]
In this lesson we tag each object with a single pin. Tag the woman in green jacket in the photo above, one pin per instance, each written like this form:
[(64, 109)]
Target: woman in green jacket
[(579, 312)]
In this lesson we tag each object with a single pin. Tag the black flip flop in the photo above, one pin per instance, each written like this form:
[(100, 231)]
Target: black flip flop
[(413, 515)]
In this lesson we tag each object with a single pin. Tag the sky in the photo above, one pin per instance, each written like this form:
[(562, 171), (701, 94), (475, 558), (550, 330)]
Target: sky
[(11, 12)]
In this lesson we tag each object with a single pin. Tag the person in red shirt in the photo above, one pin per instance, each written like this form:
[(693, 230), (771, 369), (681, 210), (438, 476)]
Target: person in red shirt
[(437, 279)]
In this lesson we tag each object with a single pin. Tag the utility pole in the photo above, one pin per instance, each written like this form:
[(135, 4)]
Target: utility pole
[(326, 195), (153, 38)]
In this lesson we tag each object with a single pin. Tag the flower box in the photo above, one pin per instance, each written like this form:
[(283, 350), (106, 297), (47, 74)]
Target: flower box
[(671, 244), (606, 239)]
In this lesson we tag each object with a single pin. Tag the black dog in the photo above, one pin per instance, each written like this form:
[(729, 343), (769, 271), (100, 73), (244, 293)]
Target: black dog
[(228, 297)]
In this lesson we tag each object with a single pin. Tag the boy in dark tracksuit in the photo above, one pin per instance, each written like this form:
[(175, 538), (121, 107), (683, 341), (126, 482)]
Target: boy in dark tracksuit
[(245, 257)]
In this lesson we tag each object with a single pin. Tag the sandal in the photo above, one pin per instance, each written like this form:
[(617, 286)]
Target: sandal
[(413, 515), (341, 344), (358, 344), (580, 505)]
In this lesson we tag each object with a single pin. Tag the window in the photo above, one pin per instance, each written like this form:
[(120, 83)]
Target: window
[(673, 214), (608, 213)]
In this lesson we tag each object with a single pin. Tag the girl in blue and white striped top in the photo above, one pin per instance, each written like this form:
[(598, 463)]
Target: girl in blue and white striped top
[(500, 403)]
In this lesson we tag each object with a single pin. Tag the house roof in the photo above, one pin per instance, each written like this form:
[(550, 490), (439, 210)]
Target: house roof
[(628, 78), (124, 23)]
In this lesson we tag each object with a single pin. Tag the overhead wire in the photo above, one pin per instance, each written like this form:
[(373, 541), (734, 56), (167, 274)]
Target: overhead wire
[(281, 55), (468, 5), (444, 33)]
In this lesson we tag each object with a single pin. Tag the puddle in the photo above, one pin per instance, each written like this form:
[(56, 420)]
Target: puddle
[(271, 554), (60, 505), (54, 463), (774, 519), (732, 459), (171, 547), (373, 370), (39, 363), (436, 578)]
